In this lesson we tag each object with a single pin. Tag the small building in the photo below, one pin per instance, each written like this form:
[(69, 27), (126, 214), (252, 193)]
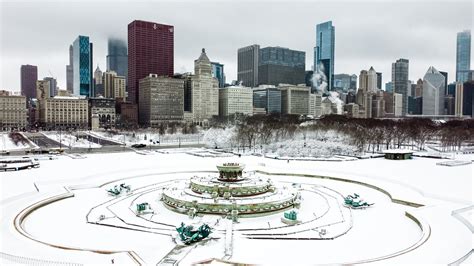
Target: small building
[(398, 154)]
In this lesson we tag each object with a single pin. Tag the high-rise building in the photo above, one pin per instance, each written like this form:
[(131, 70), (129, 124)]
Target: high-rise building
[(161, 100), (281, 65), (398, 104), (29, 76), (400, 81), (345, 82), (389, 87), (433, 92), (445, 75), (247, 65), (218, 73), (372, 80), (235, 100), (201, 92), (463, 55), (150, 51), (294, 99), (98, 86), (268, 98), (458, 105), (117, 58), (83, 82), (449, 104), (70, 71), (468, 98), (53, 86), (114, 86), (363, 81), (324, 51), (419, 88), (42, 90), (379, 80)]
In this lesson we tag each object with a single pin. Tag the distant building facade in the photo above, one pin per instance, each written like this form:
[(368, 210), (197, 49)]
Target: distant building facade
[(29, 76), (235, 100), (70, 71), (117, 57), (433, 92), (324, 51), (64, 112), (218, 73), (150, 51), (114, 86), (294, 99), (161, 100), (281, 65), (400, 81), (201, 91), (83, 82), (247, 65), (463, 56), (268, 98), (13, 112), (104, 110)]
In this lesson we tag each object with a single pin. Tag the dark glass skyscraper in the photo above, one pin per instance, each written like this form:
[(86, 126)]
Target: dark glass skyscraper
[(82, 67), (29, 76), (69, 71), (324, 51), (463, 56), (281, 65), (247, 65), (400, 81), (218, 73), (150, 51), (117, 58)]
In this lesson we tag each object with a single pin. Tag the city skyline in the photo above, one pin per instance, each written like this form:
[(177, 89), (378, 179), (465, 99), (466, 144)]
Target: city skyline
[(359, 44)]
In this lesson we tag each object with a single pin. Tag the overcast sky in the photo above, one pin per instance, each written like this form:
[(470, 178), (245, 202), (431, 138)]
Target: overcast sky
[(368, 33)]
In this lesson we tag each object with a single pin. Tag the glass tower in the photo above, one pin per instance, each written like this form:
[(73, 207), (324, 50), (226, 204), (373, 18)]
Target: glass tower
[(218, 73), (82, 67), (400, 81), (324, 52), (463, 56), (117, 58)]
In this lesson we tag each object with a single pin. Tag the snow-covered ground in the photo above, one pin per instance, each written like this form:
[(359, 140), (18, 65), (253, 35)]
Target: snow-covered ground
[(151, 138), (6, 144), (70, 140), (376, 232)]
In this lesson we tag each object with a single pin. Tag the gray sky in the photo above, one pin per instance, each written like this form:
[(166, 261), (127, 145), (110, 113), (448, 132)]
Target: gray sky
[(368, 33)]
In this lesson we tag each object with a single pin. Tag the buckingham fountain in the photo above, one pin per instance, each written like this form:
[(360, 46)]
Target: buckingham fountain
[(231, 193)]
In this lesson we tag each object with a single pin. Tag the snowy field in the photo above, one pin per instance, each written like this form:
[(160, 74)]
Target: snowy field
[(66, 197), (151, 138)]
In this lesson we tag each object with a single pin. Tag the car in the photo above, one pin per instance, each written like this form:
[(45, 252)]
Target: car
[(138, 146)]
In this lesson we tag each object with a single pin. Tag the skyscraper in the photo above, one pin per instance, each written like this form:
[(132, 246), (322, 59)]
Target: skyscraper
[(98, 86), (69, 71), (400, 81), (463, 55), (281, 65), (53, 86), (247, 65), (83, 82), (29, 75), (324, 51), (218, 73), (150, 51), (433, 92), (117, 58), (372, 80), (201, 91)]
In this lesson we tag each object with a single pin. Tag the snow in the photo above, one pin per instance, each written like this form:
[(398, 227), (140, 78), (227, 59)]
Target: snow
[(6, 144), (71, 141), (441, 189)]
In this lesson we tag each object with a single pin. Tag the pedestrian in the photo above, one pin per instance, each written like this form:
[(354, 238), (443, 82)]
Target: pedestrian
[(112, 261)]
